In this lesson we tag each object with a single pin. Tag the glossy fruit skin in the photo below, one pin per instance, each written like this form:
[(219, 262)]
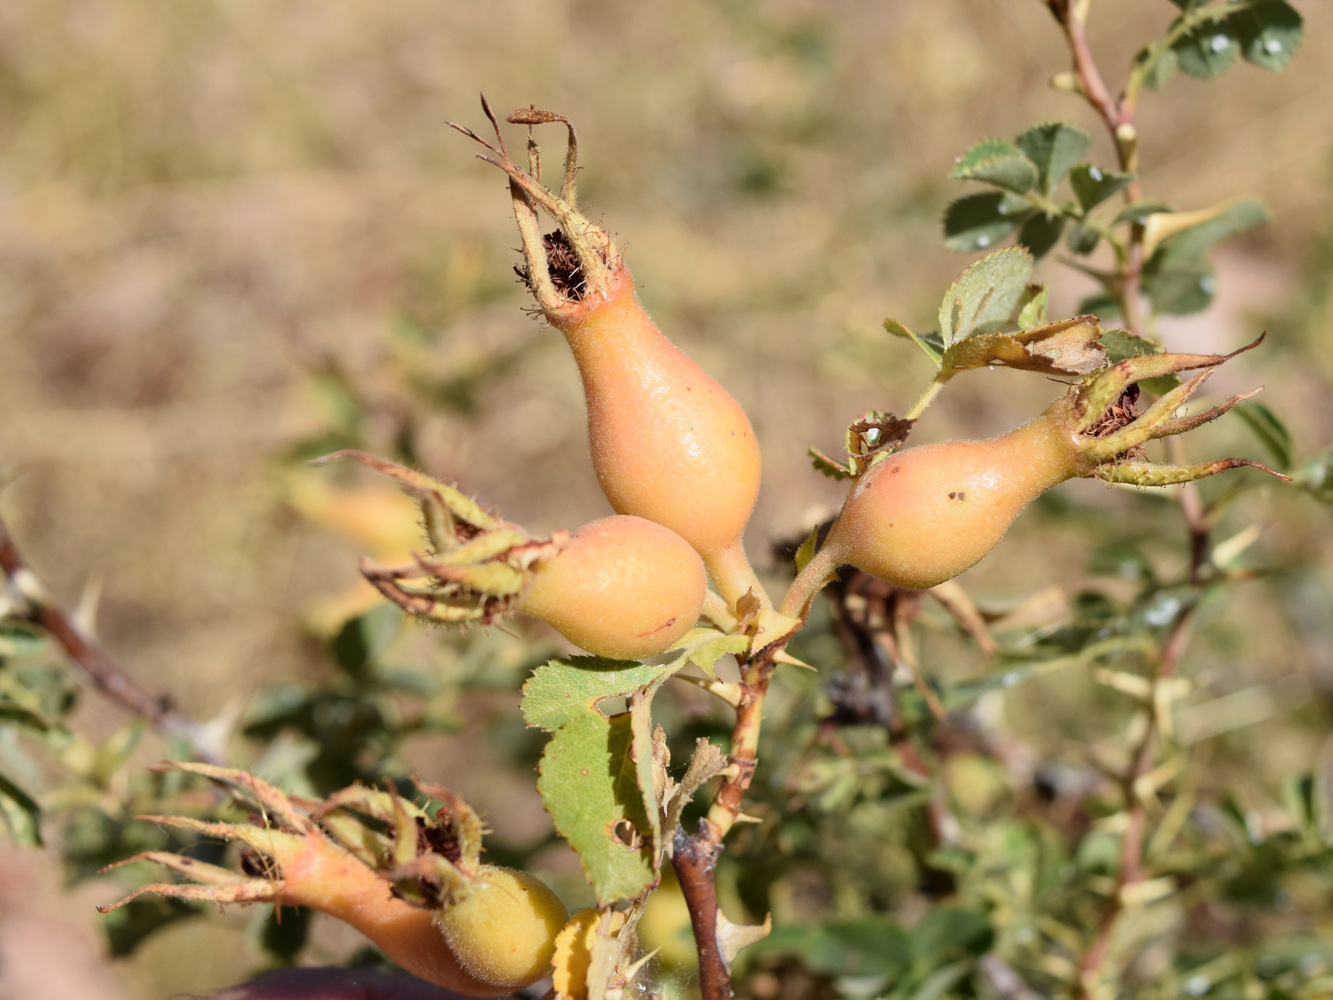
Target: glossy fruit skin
[(503, 931), (622, 587), (924, 515), (668, 443)]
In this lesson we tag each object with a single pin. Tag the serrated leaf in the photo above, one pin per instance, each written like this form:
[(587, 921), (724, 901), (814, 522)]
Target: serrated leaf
[(1082, 240), (594, 770), (994, 161), (1181, 287), (562, 689), (1269, 33), (1054, 147), (983, 220), (641, 754), (1032, 311), (826, 466), (1093, 185), (986, 295), (20, 814), (1269, 430), (1208, 50), (1138, 211), (1161, 71), (1070, 347), (589, 784), (931, 343), (1121, 344), (1041, 232)]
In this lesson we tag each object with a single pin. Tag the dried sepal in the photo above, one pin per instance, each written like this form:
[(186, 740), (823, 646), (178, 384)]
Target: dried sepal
[(1069, 347), (561, 268), (478, 564), (430, 859)]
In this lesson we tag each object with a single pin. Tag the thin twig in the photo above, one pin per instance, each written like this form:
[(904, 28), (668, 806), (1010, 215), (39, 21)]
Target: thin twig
[(104, 673), (694, 859)]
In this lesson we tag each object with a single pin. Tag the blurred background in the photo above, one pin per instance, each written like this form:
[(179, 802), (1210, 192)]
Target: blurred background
[(235, 235)]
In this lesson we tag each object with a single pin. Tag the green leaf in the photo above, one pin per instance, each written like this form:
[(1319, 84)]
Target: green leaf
[(1269, 33), (1093, 185), (1100, 304), (591, 775), (1161, 71), (826, 466), (947, 933), (564, 689), (1181, 287), (1269, 430), (1139, 210), (1193, 242), (867, 947), (1041, 232), (1208, 50), (1121, 344), (994, 161), (20, 641), (1054, 147), (1316, 476), (20, 814), (931, 342), (983, 220), (986, 296), (1082, 240), (1032, 311)]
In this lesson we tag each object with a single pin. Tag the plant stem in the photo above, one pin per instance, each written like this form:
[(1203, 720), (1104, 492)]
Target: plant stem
[(87, 653), (695, 857)]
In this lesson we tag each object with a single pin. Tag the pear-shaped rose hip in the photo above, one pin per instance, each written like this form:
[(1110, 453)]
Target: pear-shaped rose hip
[(919, 517), (924, 515), (621, 587), (668, 442)]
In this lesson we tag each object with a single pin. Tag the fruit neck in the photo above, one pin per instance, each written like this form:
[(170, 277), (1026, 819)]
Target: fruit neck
[(1050, 446), (588, 325), (733, 575)]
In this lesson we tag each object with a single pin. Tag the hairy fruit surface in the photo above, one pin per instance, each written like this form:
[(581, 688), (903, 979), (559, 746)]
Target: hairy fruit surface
[(621, 587)]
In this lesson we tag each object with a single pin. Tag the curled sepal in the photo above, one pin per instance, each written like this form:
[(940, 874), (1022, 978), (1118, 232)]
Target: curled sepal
[(1069, 347), (1098, 394), (1147, 474), (871, 437), (477, 566), (577, 261)]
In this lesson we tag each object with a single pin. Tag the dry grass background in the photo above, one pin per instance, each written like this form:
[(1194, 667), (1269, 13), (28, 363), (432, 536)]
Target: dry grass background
[(201, 203)]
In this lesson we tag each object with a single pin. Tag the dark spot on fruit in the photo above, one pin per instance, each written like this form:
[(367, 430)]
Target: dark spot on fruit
[(962, 496), (894, 470), (952, 495)]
